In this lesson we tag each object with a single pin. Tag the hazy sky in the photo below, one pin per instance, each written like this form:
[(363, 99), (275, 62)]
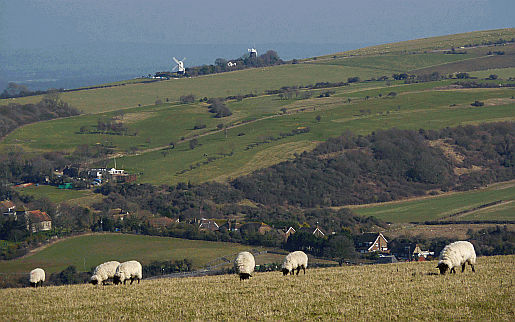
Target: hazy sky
[(44, 23)]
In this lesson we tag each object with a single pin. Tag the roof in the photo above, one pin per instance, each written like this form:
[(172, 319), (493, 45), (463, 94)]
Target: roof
[(313, 231), (255, 225), (369, 237), (157, 222), (7, 204), (208, 224), (386, 260), (39, 216)]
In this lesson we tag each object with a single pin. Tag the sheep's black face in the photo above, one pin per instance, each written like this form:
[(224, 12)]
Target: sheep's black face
[(245, 276), (285, 271), (443, 268), (33, 284), (117, 280), (94, 282)]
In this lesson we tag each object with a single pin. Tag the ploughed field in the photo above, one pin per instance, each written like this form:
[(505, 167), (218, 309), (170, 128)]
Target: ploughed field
[(403, 291)]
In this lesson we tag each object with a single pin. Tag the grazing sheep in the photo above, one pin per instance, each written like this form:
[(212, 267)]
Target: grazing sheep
[(103, 272), (37, 277), (456, 254), (295, 260), (128, 270), (244, 265)]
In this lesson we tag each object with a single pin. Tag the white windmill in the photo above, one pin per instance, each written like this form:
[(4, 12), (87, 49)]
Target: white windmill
[(180, 64), (252, 52)]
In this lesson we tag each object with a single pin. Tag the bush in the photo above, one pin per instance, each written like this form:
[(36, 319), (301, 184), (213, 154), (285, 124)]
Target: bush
[(187, 99)]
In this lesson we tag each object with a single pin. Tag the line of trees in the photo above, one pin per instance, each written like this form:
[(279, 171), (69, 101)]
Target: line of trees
[(14, 115)]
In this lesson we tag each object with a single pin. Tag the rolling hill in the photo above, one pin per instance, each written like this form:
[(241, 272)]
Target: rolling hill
[(237, 145)]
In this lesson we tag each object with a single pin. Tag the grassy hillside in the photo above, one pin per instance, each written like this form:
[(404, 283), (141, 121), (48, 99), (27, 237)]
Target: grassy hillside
[(447, 206), (401, 292), (360, 107)]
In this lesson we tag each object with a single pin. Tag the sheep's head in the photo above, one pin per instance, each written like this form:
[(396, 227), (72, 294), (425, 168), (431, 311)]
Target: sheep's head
[(94, 280), (244, 276), (443, 268), (285, 271), (33, 284), (117, 279)]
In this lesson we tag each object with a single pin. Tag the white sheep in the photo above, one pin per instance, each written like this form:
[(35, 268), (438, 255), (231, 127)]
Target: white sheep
[(457, 254), (37, 277), (244, 265), (103, 272), (128, 270), (295, 260)]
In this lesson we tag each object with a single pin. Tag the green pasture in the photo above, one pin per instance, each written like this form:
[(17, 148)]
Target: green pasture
[(439, 207), (88, 251), (427, 110), (157, 126), (503, 73), (243, 82), (55, 194)]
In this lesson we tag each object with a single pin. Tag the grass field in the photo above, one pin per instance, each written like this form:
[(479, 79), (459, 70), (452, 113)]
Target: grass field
[(503, 73), (440, 207), (88, 251), (394, 292), (53, 193), (414, 107)]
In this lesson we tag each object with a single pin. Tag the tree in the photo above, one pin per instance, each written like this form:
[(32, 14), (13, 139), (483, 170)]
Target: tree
[(193, 144), (340, 247), (221, 62)]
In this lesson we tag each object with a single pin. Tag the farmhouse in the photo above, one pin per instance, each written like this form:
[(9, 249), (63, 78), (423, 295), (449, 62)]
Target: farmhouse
[(258, 227), (231, 226), (38, 220), (161, 222), (286, 232), (208, 224), (372, 242), (315, 231), (8, 208), (419, 253)]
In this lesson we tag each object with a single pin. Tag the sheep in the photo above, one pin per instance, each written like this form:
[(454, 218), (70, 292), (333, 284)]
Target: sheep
[(37, 277), (103, 272), (128, 270), (456, 254), (295, 260), (244, 265)]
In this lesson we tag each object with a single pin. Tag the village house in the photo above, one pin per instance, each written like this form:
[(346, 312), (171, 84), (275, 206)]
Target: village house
[(286, 232), (420, 254), (161, 222), (208, 224), (259, 227), (231, 226), (372, 242), (315, 231), (37, 221), (8, 208)]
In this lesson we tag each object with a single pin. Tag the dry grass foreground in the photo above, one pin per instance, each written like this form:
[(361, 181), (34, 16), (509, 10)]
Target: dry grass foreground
[(399, 292)]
